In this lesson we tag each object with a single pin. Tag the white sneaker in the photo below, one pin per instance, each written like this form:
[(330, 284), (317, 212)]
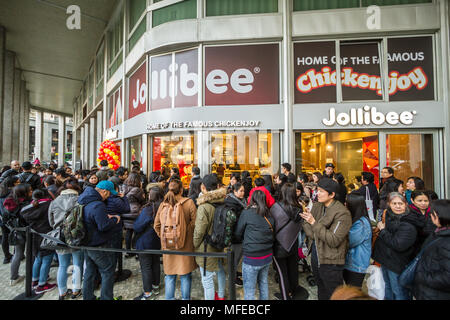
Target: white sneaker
[(70, 269), (16, 281)]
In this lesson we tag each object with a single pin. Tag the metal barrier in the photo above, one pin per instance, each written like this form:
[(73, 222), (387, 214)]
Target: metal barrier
[(30, 295)]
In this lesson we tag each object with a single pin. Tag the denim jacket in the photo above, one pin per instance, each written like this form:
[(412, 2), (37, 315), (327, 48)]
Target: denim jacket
[(360, 246)]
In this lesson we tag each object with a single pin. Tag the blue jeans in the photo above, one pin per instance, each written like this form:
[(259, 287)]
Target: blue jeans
[(104, 262), (41, 267), (208, 282), (186, 281), (392, 289), (77, 274), (252, 275)]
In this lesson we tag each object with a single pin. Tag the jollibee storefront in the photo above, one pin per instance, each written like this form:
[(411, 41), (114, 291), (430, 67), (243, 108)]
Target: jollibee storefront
[(219, 107)]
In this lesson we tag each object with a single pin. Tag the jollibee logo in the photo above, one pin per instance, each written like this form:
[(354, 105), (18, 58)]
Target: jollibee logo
[(141, 94), (241, 81)]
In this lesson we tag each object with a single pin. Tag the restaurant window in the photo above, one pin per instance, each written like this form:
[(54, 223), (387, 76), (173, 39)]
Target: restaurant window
[(257, 152), (135, 150), (138, 21), (182, 10), (350, 152), (115, 45), (234, 7), (176, 150)]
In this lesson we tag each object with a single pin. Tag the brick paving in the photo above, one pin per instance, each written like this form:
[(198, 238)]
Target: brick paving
[(132, 287)]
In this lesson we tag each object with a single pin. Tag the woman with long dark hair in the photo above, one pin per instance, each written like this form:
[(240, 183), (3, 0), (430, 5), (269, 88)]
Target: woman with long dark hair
[(255, 227), (175, 265), (132, 189), (19, 198), (342, 189), (147, 239), (286, 214), (5, 190), (360, 241), (247, 182)]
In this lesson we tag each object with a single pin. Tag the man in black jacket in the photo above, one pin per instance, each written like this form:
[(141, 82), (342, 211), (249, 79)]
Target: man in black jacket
[(28, 177)]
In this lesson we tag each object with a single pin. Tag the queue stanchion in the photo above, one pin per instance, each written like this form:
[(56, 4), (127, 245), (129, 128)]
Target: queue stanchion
[(232, 275), (29, 294)]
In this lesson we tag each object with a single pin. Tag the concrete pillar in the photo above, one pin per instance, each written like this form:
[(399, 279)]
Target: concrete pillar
[(61, 140), (2, 83), (26, 147), (8, 101), (99, 132), (39, 134), (74, 148), (86, 146), (83, 165), (16, 114), (22, 121), (92, 142)]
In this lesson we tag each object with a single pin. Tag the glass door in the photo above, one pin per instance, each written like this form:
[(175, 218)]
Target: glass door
[(413, 154)]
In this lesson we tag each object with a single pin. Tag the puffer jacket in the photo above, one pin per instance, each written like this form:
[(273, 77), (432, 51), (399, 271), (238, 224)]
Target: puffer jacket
[(37, 218), (394, 247), (207, 204), (116, 205), (424, 226), (329, 232), (143, 226), (237, 205), (360, 246), (136, 198), (288, 224), (58, 209), (432, 280)]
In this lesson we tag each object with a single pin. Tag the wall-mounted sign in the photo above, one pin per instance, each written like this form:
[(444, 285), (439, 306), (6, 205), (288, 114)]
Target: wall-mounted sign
[(203, 124), (174, 75), (242, 75), (368, 116), (137, 92), (410, 64), (111, 134)]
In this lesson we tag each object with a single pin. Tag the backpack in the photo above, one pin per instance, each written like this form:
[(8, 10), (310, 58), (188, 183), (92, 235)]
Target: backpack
[(223, 223), (74, 230), (173, 226), (27, 179)]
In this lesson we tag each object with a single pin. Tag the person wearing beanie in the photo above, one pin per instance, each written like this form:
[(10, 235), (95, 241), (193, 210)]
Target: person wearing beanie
[(327, 226)]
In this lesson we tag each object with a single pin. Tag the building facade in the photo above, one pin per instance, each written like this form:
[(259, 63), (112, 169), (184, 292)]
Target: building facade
[(242, 85)]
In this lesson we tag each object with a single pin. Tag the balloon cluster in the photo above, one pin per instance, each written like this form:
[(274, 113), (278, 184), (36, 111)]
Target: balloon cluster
[(111, 152)]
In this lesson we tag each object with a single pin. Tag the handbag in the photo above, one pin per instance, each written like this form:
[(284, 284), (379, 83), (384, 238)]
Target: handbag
[(407, 276), (369, 205), (375, 282), (53, 239)]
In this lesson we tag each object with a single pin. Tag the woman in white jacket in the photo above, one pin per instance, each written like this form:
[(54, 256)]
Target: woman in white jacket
[(57, 211)]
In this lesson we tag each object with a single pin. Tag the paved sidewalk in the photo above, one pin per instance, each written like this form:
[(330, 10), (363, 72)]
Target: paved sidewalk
[(132, 287)]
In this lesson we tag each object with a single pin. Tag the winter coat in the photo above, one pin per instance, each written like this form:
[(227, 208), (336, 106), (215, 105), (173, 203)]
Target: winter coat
[(58, 210), (13, 208), (32, 179), (237, 205), (136, 198), (373, 192), (102, 174), (37, 219), (207, 204), (269, 199), (175, 264), (8, 173), (329, 232), (288, 224), (99, 227), (432, 280), (360, 246), (143, 226), (255, 233), (425, 227), (116, 205), (88, 184), (394, 247)]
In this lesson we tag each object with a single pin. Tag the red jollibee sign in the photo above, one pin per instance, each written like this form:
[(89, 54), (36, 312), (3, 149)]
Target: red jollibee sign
[(137, 92)]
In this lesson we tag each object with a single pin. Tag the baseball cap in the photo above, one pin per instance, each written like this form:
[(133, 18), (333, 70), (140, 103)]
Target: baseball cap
[(107, 185), (329, 164), (328, 185)]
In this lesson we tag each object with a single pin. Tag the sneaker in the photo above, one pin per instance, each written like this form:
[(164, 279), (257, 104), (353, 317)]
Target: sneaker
[(34, 284), (16, 281), (155, 290), (238, 282), (66, 295), (7, 260), (76, 294), (45, 288), (143, 296), (216, 297)]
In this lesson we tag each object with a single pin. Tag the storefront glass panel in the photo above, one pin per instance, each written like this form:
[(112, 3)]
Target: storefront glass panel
[(176, 150), (350, 152), (236, 151), (411, 155), (135, 150)]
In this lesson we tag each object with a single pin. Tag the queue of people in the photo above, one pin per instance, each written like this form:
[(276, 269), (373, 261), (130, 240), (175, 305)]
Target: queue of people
[(266, 221)]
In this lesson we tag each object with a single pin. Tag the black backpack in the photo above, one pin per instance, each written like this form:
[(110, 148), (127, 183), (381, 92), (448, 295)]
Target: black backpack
[(218, 234)]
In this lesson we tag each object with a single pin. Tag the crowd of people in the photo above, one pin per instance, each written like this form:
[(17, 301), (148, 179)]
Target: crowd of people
[(267, 221)]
